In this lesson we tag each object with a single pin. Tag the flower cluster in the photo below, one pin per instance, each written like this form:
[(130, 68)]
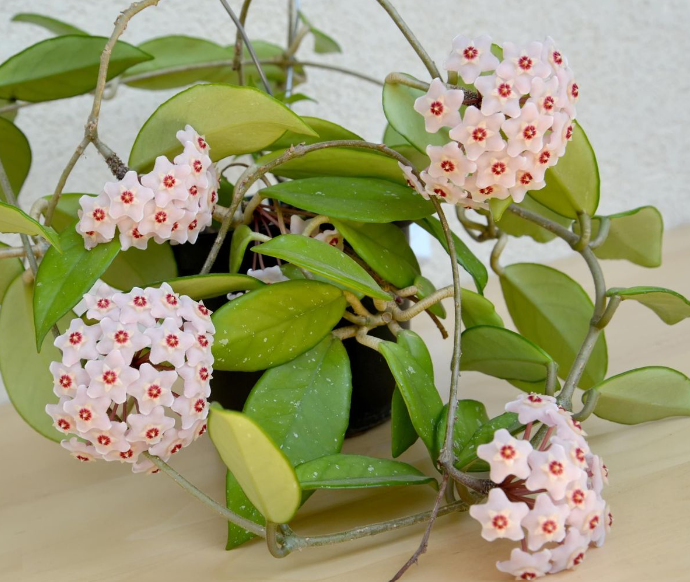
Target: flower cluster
[(175, 201), (553, 492), (508, 137), (148, 353)]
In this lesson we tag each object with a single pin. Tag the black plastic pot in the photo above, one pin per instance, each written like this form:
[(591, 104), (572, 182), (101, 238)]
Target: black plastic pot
[(372, 382)]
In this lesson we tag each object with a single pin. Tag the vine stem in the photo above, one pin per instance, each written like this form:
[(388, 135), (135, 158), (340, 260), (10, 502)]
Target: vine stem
[(471, 97), (411, 38), (237, 60)]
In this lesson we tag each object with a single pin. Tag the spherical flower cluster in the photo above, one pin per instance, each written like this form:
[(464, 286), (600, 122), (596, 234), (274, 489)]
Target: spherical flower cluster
[(146, 356), (505, 140), (552, 492), (175, 201)]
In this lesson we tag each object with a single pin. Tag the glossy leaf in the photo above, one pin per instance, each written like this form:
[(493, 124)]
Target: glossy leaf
[(274, 324), (261, 469), (304, 407), (200, 287), (358, 472), (635, 235), (470, 415), (173, 52), (12, 219), (63, 279), (358, 163), (10, 269), (362, 199), (514, 225), (465, 257), (573, 183), (478, 310), (644, 394), (398, 103), (671, 307), (498, 207), (15, 154), (62, 67), (323, 131), (51, 24), (467, 459), (392, 138), (25, 373), (426, 288), (504, 354), (322, 258), (384, 248), (417, 388), (241, 237), (235, 120), (418, 160), (553, 311)]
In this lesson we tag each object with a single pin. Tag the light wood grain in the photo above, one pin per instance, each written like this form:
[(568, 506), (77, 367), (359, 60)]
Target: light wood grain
[(61, 521)]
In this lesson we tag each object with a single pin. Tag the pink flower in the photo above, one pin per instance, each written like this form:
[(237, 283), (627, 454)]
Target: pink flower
[(546, 95), (165, 303), (80, 451), (470, 57), (169, 445), (440, 106), (532, 407), (88, 412), (61, 420), (109, 440), (99, 302), (169, 343), (110, 377), (190, 135), (479, 133), (498, 168), (500, 518), (443, 188), (526, 566), (153, 388), (569, 554), (198, 163), (135, 306), (487, 192), (191, 409), (545, 522), (449, 162), (159, 220), (130, 235), (197, 314), (412, 182), (78, 342), (499, 95), (525, 181), (128, 197), (523, 64), (66, 379), (526, 131), (123, 337), (201, 348), (168, 181), (506, 455), (551, 470), (94, 216), (196, 378), (149, 428)]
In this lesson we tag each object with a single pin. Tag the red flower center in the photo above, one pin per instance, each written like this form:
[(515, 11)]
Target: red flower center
[(121, 336), (128, 454), (574, 91), (199, 405), (577, 560), (525, 63), (534, 399), (202, 430), (557, 57), (440, 192), (127, 197), (161, 217), (498, 168), (85, 414), (578, 497), (98, 214), (103, 303), (549, 526), (436, 108), (104, 439), (193, 191), (75, 338), (526, 179), (556, 468), (470, 53), (109, 377), (593, 522), (505, 90), (82, 458), (192, 225), (197, 166), (202, 143), (169, 181), (508, 452), (172, 341), (486, 191), (203, 341), (447, 166), (203, 373), (479, 134), (499, 522), (569, 132), (64, 424), (154, 391), (152, 433), (548, 103), (530, 132), (580, 455), (136, 233), (65, 381), (174, 227), (171, 299), (175, 448), (544, 157), (528, 576), (202, 309)]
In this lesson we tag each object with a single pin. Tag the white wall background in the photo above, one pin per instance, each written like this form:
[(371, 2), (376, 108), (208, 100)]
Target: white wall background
[(630, 58)]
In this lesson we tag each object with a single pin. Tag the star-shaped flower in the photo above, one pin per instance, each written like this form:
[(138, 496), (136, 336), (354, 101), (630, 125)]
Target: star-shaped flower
[(78, 342), (198, 162), (95, 218), (66, 379), (487, 192), (201, 349), (500, 518), (110, 377), (589, 519), (526, 566), (123, 337), (197, 314), (545, 522), (89, 412), (532, 407), (526, 131), (479, 133), (190, 135), (412, 182), (523, 64), (128, 197), (498, 168), (191, 409), (99, 302), (61, 420), (449, 162), (109, 440), (159, 220), (135, 306), (525, 181), (169, 445), (169, 181), (440, 106), (130, 236), (471, 57), (546, 95), (443, 188), (196, 379), (149, 428), (166, 303), (570, 553), (153, 388), (498, 95), (80, 451), (506, 455), (169, 343), (551, 470)]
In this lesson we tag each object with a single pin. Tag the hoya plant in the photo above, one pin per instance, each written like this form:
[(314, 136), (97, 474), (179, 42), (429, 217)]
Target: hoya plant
[(292, 281)]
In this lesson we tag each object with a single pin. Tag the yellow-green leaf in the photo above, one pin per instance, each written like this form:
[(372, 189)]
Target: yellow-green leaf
[(15, 154), (12, 219), (671, 307)]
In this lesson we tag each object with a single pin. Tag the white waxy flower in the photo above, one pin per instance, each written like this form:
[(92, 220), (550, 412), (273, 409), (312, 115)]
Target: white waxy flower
[(526, 566), (578, 450), (198, 163), (153, 388), (110, 377), (169, 343), (99, 302), (135, 306), (485, 193), (190, 135), (331, 237), (526, 131), (561, 133), (525, 181), (553, 56), (551, 470), (192, 433), (538, 163), (78, 342), (159, 220), (479, 133), (130, 455), (412, 182), (149, 428), (94, 219), (506, 455), (145, 466), (567, 428), (91, 237), (570, 553), (268, 275), (545, 522), (440, 106), (198, 314), (498, 168), (201, 348), (191, 409), (471, 57), (523, 64), (123, 337), (449, 162), (168, 181), (443, 188), (589, 519), (546, 95), (88, 412), (532, 407), (130, 236), (599, 472), (498, 95), (127, 197), (500, 518), (169, 445), (196, 378), (66, 379), (80, 451), (570, 90), (577, 494), (112, 439), (61, 420)]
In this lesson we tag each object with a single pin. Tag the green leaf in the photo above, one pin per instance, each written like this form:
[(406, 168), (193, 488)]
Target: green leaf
[(417, 348), (351, 162), (66, 211), (323, 44), (51, 24), (478, 310), (465, 257), (403, 434), (200, 287), (417, 388), (498, 207), (553, 311), (426, 288), (304, 407), (274, 324), (671, 307), (362, 199), (235, 120), (25, 372), (170, 53), (241, 237), (15, 154), (392, 138), (504, 354), (261, 469), (10, 269), (467, 459), (294, 97), (572, 185), (470, 415), (398, 103), (141, 268), (384, 248), (323, 131), (358, 472), (644, 394), (418, 160), (635, 236), (63, 279), (322, 258), (12, 219), (62, 67), (514, 225)]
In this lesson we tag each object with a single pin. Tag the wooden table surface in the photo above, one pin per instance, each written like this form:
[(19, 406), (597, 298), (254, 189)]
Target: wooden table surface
[(61, 521)]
